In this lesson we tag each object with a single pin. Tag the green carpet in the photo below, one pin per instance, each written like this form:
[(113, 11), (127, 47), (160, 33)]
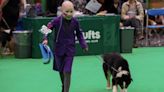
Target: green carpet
[(31, 75)]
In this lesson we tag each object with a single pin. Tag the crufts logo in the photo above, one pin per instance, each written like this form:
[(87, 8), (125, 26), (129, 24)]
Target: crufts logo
[(92, 35)]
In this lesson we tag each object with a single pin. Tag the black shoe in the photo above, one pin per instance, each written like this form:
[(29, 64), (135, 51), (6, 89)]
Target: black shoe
[(62, 88), (135, 46)]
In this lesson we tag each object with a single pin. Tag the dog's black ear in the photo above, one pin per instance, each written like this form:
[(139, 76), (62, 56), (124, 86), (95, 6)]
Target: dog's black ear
[(105, 57)]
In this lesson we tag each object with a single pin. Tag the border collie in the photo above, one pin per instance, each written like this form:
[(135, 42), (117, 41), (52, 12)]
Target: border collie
[(116, 66)]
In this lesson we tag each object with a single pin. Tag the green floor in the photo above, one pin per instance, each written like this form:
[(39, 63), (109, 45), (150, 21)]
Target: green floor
[(30, 75)]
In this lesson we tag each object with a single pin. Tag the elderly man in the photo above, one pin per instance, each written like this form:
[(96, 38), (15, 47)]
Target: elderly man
[(66, 28), (132, 14)]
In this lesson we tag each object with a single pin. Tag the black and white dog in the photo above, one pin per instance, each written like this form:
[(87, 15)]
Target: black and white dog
[(114, 64)]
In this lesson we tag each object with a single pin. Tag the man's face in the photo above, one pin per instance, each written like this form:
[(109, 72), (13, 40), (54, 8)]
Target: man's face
[(68, 12), (67, 9)]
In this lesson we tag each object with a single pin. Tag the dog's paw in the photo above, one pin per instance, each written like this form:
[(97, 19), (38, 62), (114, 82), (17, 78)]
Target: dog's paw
[(108, 88)]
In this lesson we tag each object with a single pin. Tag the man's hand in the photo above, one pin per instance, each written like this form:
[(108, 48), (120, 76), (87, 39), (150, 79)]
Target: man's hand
[(85, 49), (102, 13), (127, 17), (45, 41)]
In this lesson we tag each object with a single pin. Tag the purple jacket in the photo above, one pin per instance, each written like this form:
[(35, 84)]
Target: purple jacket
[(65, 38)]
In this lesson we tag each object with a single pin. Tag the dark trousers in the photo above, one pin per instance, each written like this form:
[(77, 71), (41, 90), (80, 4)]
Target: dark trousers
[(4, 38), (66, 80), (136, 24), (10, 16)]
